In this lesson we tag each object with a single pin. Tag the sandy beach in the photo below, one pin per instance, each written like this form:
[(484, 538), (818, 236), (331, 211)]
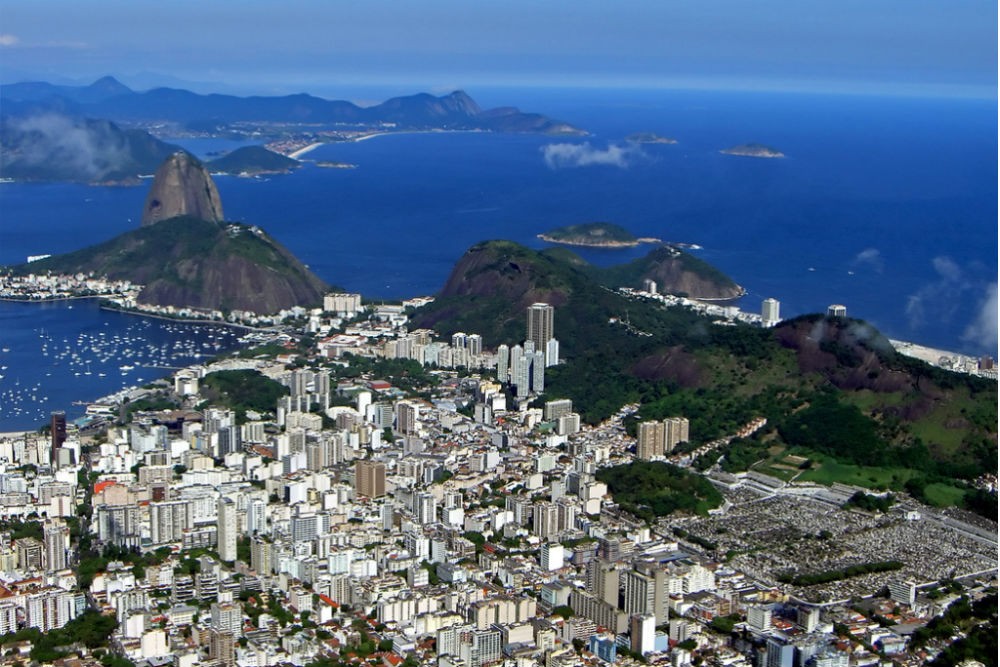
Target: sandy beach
[(305, 149)]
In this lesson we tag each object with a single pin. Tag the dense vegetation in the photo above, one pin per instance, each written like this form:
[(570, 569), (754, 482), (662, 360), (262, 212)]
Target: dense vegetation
[(978, 620), (242, 390), (185, 261), (870, 503), (835, 428), (91, 628), (833, 390), (829, 576), (591, 233), (653, 489), (660, 264), (252, 160)]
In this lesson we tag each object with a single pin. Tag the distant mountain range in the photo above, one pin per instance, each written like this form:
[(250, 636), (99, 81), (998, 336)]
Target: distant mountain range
[(54, 146), (77, 133), (109, 98)]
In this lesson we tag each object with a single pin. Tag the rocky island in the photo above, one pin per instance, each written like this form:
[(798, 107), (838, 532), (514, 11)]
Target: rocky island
[(595, 235), (753, 150), (252, 161), (649, 138)]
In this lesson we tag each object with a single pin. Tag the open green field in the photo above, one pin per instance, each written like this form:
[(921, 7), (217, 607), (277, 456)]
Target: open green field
[(867, 400), (827, 471), (943, 495)]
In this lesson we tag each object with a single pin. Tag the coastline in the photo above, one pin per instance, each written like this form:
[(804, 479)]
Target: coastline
[(185, 320), (295, 155)]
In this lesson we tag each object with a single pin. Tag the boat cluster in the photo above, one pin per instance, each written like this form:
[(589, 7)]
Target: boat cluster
[(100, 359)]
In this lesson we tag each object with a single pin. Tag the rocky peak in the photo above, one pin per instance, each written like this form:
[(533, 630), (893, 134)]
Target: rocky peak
[(182, 186)]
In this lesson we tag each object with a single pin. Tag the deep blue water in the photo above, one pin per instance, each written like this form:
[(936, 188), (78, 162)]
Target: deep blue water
[(887, 205)]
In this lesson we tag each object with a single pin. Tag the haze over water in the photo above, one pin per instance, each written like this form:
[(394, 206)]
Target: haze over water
[(886, 205)]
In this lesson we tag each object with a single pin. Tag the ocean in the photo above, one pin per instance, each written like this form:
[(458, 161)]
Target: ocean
[(887, 205)]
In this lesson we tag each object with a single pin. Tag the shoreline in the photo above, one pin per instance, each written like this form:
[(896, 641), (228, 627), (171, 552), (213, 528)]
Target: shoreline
[(296, 154), (183, 320)]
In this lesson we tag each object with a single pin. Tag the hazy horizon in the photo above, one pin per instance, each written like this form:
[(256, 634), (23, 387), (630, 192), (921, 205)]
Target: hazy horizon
[(386, 48)]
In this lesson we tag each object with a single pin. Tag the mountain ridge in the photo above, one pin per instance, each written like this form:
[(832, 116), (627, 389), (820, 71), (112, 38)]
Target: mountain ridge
[(108, 98)]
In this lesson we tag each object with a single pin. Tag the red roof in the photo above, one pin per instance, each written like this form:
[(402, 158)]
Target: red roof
[(100, 486)]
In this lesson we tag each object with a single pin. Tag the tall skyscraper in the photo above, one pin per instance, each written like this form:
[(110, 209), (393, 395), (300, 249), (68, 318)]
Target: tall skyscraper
[(56, 539), (650, 440), (643, 633), (227, 529), (676, 431), (168, 520), (639, 593), (57, 435), (503, 364), (540, 332), (770, 312), (655, 438), (537, 372), (369, 479), (407, 415)]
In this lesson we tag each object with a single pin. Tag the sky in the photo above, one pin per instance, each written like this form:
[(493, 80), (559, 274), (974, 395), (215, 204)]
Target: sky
[(934, 47)]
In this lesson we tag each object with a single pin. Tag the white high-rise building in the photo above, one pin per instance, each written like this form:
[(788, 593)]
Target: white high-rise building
[(552, 352), (503, 364), (770, 312), (552, 556), (643, 633), (676, 431), (227, 529), (56, 538), (168, 520)]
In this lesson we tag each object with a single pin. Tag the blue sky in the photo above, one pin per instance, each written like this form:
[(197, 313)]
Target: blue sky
[(928, 47)]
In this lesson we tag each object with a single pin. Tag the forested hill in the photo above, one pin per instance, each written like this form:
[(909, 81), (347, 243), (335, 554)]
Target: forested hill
[(820, 382)]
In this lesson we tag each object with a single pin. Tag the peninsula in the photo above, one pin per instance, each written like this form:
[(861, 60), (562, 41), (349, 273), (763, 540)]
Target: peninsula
[(595, 235), (185, 255), (753, 150)]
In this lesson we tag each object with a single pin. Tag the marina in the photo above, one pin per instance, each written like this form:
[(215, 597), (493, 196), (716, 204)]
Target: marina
[(65, 358)]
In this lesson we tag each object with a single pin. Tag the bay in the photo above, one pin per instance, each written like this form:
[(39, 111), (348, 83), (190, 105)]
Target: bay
[(886, 205)]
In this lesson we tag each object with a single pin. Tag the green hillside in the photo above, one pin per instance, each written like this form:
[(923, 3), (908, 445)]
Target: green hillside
[(185, 261), (253, 160), (834, 392)]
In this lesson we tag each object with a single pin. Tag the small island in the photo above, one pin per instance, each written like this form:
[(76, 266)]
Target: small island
[(753, 150), (649, 138), (252, 161), (595, 235), (327, 164)]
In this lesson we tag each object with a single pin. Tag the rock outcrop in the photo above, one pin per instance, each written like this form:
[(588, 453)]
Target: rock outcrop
[(182, 187)]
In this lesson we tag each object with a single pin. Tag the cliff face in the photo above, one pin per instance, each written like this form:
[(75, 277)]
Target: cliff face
[(182, 187), (184, 255)]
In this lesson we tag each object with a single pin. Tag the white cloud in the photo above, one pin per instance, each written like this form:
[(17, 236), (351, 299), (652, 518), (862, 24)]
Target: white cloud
[(559, 156), (6, 39), (982, 331), (870, 257), (939, 298)]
